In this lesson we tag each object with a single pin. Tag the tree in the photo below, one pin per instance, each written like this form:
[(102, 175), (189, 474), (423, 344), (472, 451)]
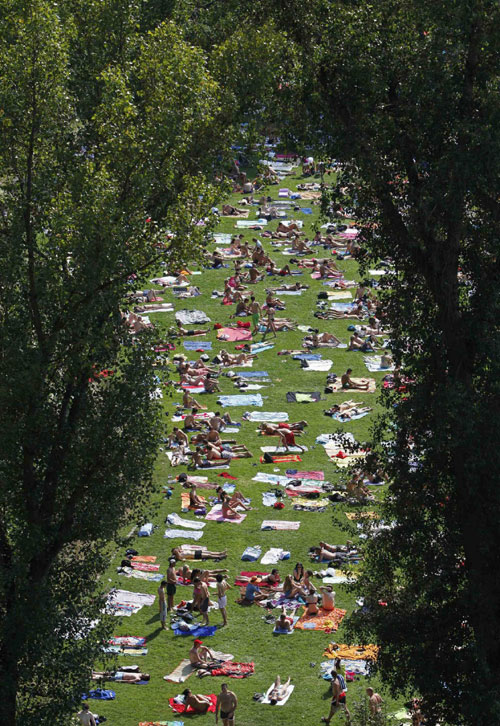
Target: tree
[(102, 179), (405, 96)]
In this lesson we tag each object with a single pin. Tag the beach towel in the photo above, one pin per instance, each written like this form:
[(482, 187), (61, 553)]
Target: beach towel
[(146, 530), (269, 499), (183, 533), (352, 652), (182, 672), (174, 519), (197, 344), (181, 708), (185, 501), (342, 458), (144, 566), (232, 334), (317, 365), (99, 694), (306, 210), (283, 192), (280, 458), (215, 515), (125, 597), (117, 650), (194, 630), (127, 641), (144, 558), (311, 505), (303, 397), (253, 374), (251, 554), (254, 399), (326, 620), (248, 223), (161, 723), (231, 669), (356, 516), (307, 356), (266, 416), (373, 363), (302, 491), (283, 700), (339, 295), (352, 417), (260, 347), (336, 386), (167, 281), (376, 273), (222, 239), (295, 474), (191, 317), (272, 556), (279, 524)]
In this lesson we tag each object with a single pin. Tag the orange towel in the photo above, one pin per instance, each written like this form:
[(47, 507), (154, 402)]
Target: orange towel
[(185, 501), (351, 652), (324, 620), (144, 558)]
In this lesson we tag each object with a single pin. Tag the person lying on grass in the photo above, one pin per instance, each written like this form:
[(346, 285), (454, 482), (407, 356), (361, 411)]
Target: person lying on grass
[(198, 702), (316, 340), (232, 359), (272, 429), (367, 344), (125, 676), (279, 691), (283, 287), (285, 621), (211, 437), (348, 409), (268, 581), (196, 552), (333, 553), (186, 574)]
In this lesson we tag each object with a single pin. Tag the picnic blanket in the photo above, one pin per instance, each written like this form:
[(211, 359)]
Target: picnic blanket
[(326, 620), (352, 652), (215, 515), (232, 334), (279, 524), (336, 386), (250, 399), (181, 708), (303, 397), (191, 317)]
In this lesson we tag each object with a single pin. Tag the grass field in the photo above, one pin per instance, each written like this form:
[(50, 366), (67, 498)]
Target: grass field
[(247, 636)]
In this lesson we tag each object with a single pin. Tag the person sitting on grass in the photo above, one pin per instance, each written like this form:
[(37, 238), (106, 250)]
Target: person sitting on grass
[(348, 383), (291, 590), (236, 499), (252, 592), (200, 656), (189, 402), (191, 423)]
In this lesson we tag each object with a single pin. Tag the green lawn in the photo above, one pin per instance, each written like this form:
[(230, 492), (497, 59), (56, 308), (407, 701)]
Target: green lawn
[(247, 636)]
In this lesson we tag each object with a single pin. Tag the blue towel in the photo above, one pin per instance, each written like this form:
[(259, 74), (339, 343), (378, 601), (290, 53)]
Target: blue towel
[(253, 374), (241, 400), (100, 694), (251, 554), (306, 210), (307, 356), (196, 631), (197, 345)]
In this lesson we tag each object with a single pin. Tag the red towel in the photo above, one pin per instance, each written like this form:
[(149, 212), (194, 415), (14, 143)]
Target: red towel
[(234, 670), (178, 708)]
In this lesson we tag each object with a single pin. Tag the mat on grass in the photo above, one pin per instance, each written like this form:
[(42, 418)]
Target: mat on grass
[(295, 474), (232, 334), (326, 620), (303, 396), (337, 386), (191, 317), (352, 652), (281, 459), (197, 344), (277, 524), (282, 701), (254, 399), (266, 416)]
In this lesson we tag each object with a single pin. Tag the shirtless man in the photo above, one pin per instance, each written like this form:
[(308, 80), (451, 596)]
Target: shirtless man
[(374, 701), (195, 552), (347, 382), (227, 703), (86, 716), (190, 421), (198, 702), (178, 437), (200, 656), (184, 331), (125, 676), (211, 384), (338, 698), (189, 402)]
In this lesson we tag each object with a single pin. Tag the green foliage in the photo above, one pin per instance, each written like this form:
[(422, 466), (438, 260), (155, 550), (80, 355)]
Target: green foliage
[(102, 176)]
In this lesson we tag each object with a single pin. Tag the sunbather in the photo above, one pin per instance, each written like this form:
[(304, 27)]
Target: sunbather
[(200, 656), (197, 701), (290, 589), (229, 359), (229, 211), (183, 331), (125, 676), (285, 621), (296, 286), (177, 437), (191, 423), (236, 499), (189, 402), (317, 340), (196, 552), (195, 500), (279, 691), (347, 410)]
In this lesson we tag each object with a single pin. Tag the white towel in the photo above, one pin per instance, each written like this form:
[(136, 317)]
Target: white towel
[(186, 533), (188, 523)]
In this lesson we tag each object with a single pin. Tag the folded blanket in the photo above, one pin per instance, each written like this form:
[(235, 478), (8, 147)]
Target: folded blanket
[(326, 620), (279, 524), (181, 708)]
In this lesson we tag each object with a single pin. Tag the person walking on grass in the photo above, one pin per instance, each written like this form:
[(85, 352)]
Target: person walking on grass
[(171, 583), (222, 588), (162, 604), (339, 698), (227, 704), (255, 310)]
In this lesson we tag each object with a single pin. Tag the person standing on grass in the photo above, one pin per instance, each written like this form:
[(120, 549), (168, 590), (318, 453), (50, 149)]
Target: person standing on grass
[(270, 325), (255, 312), (227, 703), (201, 598), (162, 604), (339, 699), (222, 588), (171, 583), (375, 701)]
